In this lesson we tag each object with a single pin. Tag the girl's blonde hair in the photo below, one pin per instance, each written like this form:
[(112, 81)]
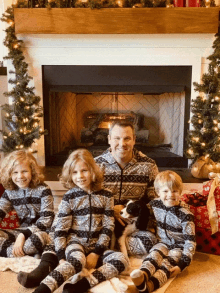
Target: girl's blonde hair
[(69, 166), (19, 157), (170, 179)]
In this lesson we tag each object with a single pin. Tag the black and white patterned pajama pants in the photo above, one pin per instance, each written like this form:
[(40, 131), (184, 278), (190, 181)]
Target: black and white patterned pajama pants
[(158, 263), (140, 243), (109, 265), (34, 244)]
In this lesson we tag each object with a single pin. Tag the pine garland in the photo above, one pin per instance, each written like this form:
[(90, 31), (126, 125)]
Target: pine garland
[(22, 115), (204, 138)]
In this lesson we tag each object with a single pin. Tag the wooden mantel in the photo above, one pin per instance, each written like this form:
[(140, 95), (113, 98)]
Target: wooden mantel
[(180, 20)]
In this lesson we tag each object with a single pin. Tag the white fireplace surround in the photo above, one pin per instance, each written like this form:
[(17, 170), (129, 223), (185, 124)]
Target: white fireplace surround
[(156, 49)]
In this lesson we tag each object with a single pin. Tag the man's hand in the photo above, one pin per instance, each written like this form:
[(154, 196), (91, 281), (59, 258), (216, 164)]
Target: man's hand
[(18, 246), (174, 271), (61, 261), (91, 260), (117, 209)]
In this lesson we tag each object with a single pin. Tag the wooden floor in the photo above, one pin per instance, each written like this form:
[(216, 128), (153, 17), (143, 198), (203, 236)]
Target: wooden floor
[(52, 174)]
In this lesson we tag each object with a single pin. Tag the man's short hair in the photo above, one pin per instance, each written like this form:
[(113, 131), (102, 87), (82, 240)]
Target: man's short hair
[(123, 124)]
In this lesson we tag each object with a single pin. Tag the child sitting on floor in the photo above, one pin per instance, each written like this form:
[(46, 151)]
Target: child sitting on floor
[(82, 229), (175, 232), (27, 194)]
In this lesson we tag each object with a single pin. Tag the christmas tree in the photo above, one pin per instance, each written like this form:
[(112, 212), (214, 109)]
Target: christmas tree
[(204, 138), (22, 113)]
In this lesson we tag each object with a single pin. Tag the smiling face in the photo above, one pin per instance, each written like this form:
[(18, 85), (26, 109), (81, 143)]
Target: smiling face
[(122, 142), (81, 176), (169, 196), (21, 174)]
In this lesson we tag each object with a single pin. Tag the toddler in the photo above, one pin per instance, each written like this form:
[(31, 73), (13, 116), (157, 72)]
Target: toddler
[(175, 233), (27, 194), (83, 228)]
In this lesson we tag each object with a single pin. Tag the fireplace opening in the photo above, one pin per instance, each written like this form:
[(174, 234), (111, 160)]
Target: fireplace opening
[(80, 102)]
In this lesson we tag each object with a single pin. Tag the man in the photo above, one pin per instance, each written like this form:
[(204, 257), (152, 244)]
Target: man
[(129, 174)]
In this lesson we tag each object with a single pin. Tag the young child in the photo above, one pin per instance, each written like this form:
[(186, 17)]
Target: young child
[(83, 228), (27, 194), (175, 232)]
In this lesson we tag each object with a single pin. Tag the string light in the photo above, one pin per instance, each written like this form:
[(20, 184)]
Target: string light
[(7, 114), (217, 98), (21, 130), (190, 151), (203, 144), (215, 128), (215, 121), (21, 146), (196, 139), (195, 169), (21, 99), (200, 121), (4, 136), (207, 156), (15, 46), (27, 107)]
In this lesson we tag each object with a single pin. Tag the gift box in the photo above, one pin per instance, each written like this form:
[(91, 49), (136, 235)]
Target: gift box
[(11, 220), (207, 242), (206, 209), (192, 3)]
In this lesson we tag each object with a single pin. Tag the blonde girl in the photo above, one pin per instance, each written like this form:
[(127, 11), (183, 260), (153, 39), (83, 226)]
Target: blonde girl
[(83, 228), (27, 194)]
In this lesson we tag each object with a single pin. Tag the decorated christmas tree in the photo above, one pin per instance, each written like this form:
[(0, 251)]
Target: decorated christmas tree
[(22, 113), (203, 140)]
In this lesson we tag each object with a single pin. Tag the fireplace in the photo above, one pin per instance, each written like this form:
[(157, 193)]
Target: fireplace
[(159, 96)]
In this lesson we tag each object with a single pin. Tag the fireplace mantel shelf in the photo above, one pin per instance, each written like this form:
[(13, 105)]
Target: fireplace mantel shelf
[(186, 20)]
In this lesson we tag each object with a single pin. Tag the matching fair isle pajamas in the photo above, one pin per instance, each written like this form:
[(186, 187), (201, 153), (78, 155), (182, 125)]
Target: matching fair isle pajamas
[(84, 224), (176, 242), (35, 210), (134, 181)]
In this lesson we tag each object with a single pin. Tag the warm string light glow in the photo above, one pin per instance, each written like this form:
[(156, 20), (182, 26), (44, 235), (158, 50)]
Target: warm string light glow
[(196, 139), (203, 144), (190, 151), (200, 121)]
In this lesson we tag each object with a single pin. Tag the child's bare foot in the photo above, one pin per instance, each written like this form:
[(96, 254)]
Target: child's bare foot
[(140, 280)]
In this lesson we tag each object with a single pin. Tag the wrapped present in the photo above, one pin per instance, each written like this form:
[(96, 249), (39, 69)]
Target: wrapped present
[(207, 242), (206, 209), (10, 221)]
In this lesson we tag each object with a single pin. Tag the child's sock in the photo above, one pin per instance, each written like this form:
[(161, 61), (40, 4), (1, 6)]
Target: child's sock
[(42, 289), (30, 280), (81, 286), (140, 279)]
